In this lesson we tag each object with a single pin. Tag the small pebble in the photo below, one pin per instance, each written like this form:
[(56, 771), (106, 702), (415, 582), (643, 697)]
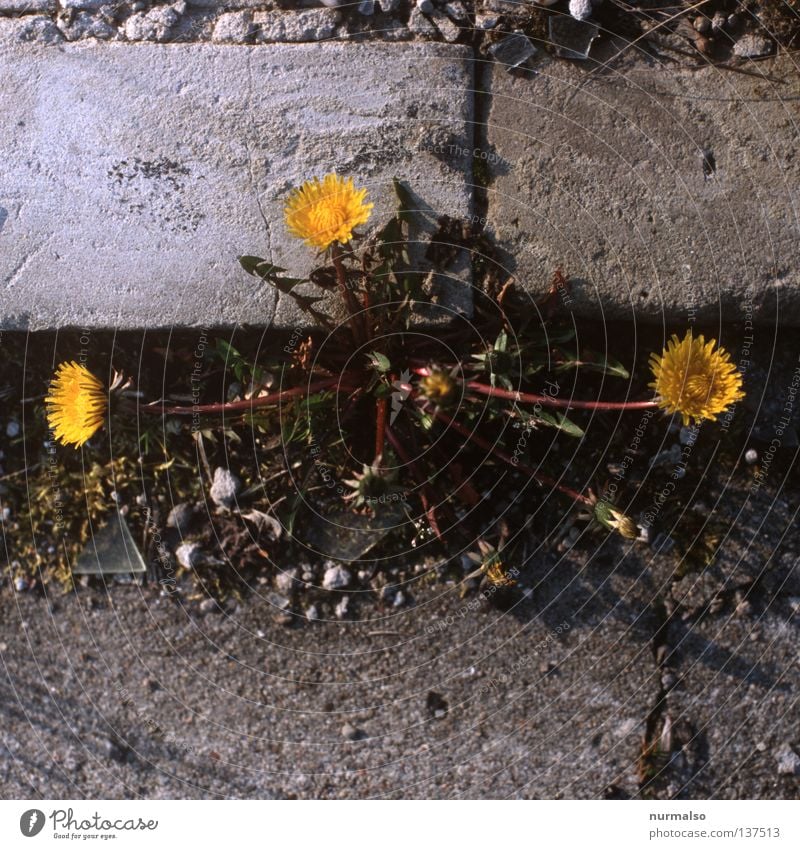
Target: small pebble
[(336, 578), (207, 605), (189, 554), (581, 10), (788, 760), (456, 11), (225, 488), (342, 608), (349, 732), (312, 614), (425, 6), (751, 456), (702, 24), (285, 580), (12, 429), (752, 46), (718, 22), (180, 518)]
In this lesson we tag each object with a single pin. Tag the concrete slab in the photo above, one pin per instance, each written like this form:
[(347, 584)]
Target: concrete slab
[(668, 194), (134, 175)]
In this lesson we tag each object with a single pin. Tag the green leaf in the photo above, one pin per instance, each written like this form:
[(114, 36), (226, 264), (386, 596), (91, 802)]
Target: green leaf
[(592, 361), (501, 343), (227, 351), (559, 421), (380, 362)]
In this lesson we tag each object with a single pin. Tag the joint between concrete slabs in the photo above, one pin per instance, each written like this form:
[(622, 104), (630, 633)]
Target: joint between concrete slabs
[(460, 103)]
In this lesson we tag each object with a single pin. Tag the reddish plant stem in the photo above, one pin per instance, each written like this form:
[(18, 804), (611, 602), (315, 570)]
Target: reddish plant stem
[(425, 491), (244, 406), (506, 458), (381, 407), (550, 401), (347, 296)]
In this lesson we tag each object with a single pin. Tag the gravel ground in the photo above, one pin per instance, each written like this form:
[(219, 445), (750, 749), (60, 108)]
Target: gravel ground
[(125, 693)]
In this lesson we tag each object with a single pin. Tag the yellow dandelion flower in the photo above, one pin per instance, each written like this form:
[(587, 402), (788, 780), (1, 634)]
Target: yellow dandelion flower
[(694, 380), (497, 575), (76, 404), (437, 386), (326, 211)]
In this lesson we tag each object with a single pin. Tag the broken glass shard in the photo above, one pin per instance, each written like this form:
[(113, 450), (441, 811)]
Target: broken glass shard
[(348, 536), (110, 551), (571, 38), (513, 51)]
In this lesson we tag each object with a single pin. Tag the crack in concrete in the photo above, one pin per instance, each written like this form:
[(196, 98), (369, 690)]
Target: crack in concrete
[(254, 184), (11, 282)]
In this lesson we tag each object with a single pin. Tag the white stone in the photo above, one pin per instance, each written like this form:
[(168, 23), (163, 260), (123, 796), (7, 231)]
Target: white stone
[(189, 554), (155, 25), (336, 578), (233, 27), (27, 7), (310, 25), (450, 31), (420, 25), (225, 487), (84, 25), (135, 171), (85, 5), (30, 30), (580, 9)]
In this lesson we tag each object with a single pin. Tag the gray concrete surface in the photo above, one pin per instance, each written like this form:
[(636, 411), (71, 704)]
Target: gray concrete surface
[(236, 706), (134, 175), (125, 693), (669, 193)]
